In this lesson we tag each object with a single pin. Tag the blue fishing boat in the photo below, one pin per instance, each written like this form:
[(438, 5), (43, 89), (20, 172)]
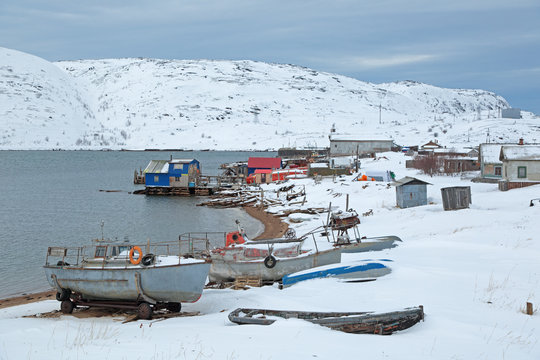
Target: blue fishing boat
[(365, 270)]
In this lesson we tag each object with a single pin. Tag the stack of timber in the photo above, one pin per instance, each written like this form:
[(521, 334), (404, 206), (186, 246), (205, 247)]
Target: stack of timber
[(259, 198), (243, 282)]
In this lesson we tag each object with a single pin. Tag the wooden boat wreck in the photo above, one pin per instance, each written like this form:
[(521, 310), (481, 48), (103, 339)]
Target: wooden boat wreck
[(352, 271), (350, 322), (119, 275)]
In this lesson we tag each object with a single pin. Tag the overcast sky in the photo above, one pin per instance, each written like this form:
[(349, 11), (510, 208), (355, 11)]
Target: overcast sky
[(484, 44)]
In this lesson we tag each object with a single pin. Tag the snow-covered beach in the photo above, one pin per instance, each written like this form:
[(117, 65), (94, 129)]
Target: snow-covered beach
[(472, 269)]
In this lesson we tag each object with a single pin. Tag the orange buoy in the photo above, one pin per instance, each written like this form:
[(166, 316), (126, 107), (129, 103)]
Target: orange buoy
[(131, 253)]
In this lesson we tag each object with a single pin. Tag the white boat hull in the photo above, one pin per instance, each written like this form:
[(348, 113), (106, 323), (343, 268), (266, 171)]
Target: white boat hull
[(228, 270)]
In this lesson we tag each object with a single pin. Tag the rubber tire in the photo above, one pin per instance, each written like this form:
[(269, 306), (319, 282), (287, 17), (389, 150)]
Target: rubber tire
[(148, 259), (63, 295), (290, 234), (174, 307), (67, 306), (144, 311), (270, 261)]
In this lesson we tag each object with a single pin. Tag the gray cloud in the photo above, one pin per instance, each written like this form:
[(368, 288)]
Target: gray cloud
[(469, 44)]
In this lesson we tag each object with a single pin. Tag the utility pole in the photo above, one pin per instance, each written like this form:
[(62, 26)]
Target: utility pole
[(380, 111)]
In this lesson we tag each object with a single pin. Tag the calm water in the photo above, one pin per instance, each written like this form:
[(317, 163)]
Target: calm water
[(52, 198)]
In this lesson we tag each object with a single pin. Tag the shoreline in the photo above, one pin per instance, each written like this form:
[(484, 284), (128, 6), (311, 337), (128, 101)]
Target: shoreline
[(274, 227), (27, 298)]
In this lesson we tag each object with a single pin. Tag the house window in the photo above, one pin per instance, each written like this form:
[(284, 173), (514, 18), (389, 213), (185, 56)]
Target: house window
[(522, 172), (177, 178), (178, 166), (156, 178), (498, 170)]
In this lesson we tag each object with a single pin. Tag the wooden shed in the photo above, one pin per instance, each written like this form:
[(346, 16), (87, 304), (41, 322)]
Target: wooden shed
[(411, 192), (456, 197)]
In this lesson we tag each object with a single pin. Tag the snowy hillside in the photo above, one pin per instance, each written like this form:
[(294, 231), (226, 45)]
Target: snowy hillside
[(40, 106), (204, 104)]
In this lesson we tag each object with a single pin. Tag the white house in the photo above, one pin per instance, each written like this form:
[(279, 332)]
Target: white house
[(521, 165)]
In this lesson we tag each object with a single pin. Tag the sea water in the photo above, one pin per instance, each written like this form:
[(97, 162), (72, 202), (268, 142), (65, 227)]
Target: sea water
[(53, 198)]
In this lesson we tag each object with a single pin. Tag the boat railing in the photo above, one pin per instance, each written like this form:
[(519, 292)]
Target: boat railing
[(197, 243), (60, 256), (118, 254)]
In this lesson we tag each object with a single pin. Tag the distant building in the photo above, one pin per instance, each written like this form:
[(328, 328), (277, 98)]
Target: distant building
[(431, 146), (344, 146), (411, 192), (521, 166), (172, 173), (511, 113)]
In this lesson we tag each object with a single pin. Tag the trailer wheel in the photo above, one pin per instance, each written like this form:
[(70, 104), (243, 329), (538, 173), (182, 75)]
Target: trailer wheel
[(144, 311), (67, 306), (174, 307), (270, 261), (63, 295)]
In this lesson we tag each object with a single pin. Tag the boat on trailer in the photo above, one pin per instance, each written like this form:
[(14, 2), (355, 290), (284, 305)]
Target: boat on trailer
[(340, 223), (350, 322), (109, 274)]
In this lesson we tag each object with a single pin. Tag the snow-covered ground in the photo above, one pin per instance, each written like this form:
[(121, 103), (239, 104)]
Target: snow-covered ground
[(472, 269)]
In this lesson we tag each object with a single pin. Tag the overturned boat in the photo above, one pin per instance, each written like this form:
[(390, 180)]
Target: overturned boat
[(350, 322), (119, 275), (353, 271)]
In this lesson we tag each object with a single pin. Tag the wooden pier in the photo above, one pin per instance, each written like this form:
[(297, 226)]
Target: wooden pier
[(177, 191)]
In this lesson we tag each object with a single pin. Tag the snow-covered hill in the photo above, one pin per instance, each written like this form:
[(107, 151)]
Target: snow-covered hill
[(204, 104), (41, 107)]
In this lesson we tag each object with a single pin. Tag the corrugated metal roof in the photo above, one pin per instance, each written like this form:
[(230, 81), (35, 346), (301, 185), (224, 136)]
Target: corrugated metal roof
[(520, 152), (181, 161), (408, 179), (157, 167)]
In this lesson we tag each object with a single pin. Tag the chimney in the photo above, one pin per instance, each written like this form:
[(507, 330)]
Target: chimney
[(520, 141)]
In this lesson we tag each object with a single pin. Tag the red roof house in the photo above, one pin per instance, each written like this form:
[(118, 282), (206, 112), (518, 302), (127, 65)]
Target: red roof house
[(255, 163)]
